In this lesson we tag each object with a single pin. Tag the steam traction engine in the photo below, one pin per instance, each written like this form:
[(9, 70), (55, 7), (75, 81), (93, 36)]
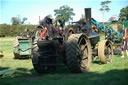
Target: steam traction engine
[(75, 48)]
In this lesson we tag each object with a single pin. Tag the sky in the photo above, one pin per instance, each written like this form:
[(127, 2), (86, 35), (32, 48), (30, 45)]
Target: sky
[(32, 9)]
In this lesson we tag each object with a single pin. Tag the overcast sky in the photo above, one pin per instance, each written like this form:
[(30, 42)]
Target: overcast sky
[(32, 9)]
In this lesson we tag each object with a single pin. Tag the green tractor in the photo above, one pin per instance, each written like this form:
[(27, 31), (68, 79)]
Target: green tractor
[(75, 48)]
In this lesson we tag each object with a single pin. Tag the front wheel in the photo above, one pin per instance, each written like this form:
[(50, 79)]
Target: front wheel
[(105, 51)]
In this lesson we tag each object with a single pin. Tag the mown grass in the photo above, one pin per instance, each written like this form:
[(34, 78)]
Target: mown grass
[(6, 45), (115, 73)]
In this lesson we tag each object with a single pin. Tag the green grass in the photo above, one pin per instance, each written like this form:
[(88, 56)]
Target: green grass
[(115, 73), (6, 45)]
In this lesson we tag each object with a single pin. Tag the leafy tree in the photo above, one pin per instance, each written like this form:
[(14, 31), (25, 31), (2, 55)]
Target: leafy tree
[(64, 13), (24, 19), (105, 7), (18, 21), (15, 21), (123, 13)]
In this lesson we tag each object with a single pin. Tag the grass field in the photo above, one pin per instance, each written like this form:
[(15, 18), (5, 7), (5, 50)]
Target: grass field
[(115, 73)]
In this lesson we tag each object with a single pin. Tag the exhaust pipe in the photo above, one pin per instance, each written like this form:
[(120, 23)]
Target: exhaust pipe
[(88, 14)]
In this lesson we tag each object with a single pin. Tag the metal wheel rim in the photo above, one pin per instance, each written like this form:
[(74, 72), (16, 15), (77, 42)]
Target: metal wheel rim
[(108, 55), (105, 51), (84, 52)]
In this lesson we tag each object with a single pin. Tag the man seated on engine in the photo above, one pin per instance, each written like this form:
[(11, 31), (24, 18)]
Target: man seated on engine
[(85, 26), (47, 24), (94, 31)]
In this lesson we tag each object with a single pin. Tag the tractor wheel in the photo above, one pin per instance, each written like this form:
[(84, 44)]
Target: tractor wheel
[(105, 51), (78, 53), (68, 32), (36, 59)]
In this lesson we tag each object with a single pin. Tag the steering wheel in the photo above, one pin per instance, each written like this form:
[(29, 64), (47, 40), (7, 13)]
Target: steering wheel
[(42, 33)]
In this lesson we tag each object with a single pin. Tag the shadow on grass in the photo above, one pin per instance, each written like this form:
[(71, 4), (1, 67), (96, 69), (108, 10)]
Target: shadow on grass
[(97, 62), (112, 77), (3, 68), (58, 70)]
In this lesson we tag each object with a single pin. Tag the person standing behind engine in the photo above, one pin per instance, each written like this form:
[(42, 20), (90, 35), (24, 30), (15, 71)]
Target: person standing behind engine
[(124, 47), (125, 39)]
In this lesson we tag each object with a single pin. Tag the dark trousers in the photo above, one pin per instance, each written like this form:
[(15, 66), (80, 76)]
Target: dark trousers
[(50, 31)]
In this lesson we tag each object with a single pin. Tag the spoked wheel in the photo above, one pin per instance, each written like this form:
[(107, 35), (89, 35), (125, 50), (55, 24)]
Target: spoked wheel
[(105, 51), (86, 52), (78, 53)]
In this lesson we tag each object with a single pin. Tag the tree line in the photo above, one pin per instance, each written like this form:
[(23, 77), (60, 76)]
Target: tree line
[(12, 30)]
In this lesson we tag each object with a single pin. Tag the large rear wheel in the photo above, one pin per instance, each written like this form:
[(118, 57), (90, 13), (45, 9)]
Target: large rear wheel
[(78, 53)]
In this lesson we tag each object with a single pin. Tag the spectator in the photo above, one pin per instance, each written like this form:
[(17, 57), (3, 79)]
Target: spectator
[(125, 46)]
